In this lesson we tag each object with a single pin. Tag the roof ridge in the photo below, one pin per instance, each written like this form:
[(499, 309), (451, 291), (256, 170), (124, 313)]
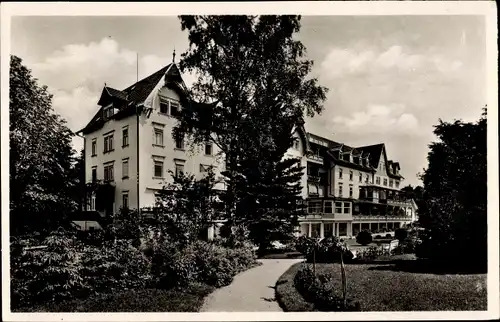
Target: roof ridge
[(147, 77)]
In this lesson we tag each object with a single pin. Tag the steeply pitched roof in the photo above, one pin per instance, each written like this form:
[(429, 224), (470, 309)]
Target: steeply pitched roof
[(374, 150), (135, 94), (138, 92), (116, 93)]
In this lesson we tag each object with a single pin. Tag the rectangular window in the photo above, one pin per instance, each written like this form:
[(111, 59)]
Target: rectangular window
[(108, 112), (397, 184), (174, 108), (340, 189), (378, 180), (347, 207), (179, 142), (350, 191), (158, 169), (125, 199), (351, 174), (391, 183), (94, 174), (296, 144), (94, 147), (163, 106), (179, 170), (208, 149), (338, 207), (108, 172), (314, 207), (360, 177), (328, 207), (367, 180), (92, 202), (340, 173), (108, 143), (125, 169), (125, 136), (158, 137), (385, 181)]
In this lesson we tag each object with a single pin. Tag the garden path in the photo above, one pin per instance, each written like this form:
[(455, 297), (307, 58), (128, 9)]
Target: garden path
[(250, 291)]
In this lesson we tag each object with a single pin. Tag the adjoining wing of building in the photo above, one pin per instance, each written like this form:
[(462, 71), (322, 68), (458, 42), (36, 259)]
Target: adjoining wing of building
[(128, 143), (349, 189)]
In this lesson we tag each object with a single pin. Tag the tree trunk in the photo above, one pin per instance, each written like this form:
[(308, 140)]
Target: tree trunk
[(314, 261), (344, 282)]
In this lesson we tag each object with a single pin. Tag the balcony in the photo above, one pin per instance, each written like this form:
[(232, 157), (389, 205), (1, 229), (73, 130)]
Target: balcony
[(315, 158), (313, 178), (380, 218)]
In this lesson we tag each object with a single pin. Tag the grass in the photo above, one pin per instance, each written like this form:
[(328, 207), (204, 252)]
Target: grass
[(287, 295), (188, 299), (382, 287)]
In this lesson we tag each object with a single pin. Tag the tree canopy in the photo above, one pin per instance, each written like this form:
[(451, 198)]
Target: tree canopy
[(254, 74), (455, 192), (41, 155)]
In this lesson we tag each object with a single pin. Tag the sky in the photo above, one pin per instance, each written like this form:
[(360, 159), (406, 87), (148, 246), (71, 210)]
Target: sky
[(390, 78)]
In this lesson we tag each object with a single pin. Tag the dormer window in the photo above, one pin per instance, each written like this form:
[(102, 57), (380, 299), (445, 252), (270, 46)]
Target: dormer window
[(169, 107), (108, 112)]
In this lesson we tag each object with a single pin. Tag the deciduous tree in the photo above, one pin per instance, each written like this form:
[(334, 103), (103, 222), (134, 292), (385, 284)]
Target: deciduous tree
[(254, 74), (40, 155), (455, 185)]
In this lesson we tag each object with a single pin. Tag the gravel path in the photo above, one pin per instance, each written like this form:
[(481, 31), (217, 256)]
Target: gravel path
[(251, 291)]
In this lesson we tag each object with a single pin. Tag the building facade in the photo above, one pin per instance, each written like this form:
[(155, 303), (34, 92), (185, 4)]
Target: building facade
[(349, 189), (129, 144)]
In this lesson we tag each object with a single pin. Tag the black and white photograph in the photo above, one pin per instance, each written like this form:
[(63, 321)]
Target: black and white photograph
[(322, 158)]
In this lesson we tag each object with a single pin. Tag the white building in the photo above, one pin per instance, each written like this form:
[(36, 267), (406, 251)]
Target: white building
[(129, 140), (349, 189)]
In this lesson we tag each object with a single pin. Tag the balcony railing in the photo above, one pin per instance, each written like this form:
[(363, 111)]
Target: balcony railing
[(315, 157), (381, 218), (313, 178)]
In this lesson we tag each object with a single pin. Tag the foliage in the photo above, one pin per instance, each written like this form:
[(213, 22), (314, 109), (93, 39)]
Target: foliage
[(185, 206), (115, 265), (186, 299), (126, 225), (371, 253), (320, 290), (288, 296), (253, 73), (51, 274), (200, 261), (305, 245), (364, 237), (455, 193), (41, 161)]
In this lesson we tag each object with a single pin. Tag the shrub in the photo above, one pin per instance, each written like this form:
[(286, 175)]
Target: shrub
[(321, 291), (50, 274), (401, 234), (364, 237), (115, 266), (305, 245), (370, 254), (206, 262)]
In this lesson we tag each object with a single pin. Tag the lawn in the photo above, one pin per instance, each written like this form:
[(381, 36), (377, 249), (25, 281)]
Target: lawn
[(188, 299), (384, 287)]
